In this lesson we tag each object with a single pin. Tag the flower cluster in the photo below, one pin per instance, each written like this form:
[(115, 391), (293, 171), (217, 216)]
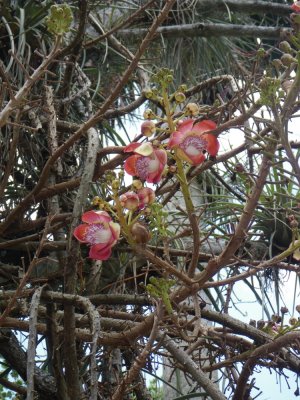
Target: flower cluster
[(190, 142), (137, 200)]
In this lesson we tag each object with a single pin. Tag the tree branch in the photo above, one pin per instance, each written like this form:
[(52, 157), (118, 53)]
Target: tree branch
[(202, 29)]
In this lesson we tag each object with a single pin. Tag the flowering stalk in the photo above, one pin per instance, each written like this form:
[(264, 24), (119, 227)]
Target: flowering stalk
[(180, 169), (119, 208)]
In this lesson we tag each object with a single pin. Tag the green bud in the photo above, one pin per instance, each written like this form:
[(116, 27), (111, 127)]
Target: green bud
[(115, 184), (277, 63), (284, 310), (179, 97), (261, 52), (182, 88), (293, 321), (148, 114), (192, 109), (287, 59), (285, 47), (148, 94)]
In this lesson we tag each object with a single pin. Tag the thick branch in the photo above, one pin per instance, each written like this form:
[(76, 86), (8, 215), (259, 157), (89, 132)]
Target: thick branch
[(202, 29), (246, 7), (16, 358), (191, 367)]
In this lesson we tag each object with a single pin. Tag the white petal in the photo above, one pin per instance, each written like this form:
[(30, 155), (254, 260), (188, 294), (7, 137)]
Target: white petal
[(192, 151), (153, 166)]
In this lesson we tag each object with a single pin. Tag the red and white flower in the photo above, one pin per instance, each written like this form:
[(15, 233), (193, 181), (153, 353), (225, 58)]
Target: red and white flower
[(191, 141), (147, 162), (100, 232)]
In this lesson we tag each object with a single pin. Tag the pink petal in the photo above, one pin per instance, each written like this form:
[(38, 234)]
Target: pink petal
[(80, 232), (95, 217), (213, 144), (162, 156), (131, 147), (203, 126), (186, 125), (98, 252), (296, 6), (130, 165), (176, 139)]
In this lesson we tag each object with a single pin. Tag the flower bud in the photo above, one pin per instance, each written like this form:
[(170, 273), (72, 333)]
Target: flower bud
[(192, 109), (182, 88), (292, 221), (298, 308), (148, 128), (293, 321), (147, 211), (287, 59), (285, 47), (146, 196), (129, 200), (277, 63), (148, 94), (261, 52), (148, 114), (96, 201), (179, 97), (115, 184), (284, 310), (140, 233), (239, 167), (276, 318), (137, 184), (260, 324)]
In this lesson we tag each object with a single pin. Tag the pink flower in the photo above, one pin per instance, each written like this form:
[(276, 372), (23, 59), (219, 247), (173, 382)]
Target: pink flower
[(191, 141), (130, 200), (148, 128), (147, 162), (296, 7), (146, 196), (100, 232)]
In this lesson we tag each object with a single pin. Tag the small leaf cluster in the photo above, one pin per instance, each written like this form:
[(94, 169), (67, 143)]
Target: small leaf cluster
[(59, 19), (159, 288), (269, 88)]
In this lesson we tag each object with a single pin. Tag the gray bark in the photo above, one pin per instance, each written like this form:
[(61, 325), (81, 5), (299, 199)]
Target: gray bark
[(210, 29)]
